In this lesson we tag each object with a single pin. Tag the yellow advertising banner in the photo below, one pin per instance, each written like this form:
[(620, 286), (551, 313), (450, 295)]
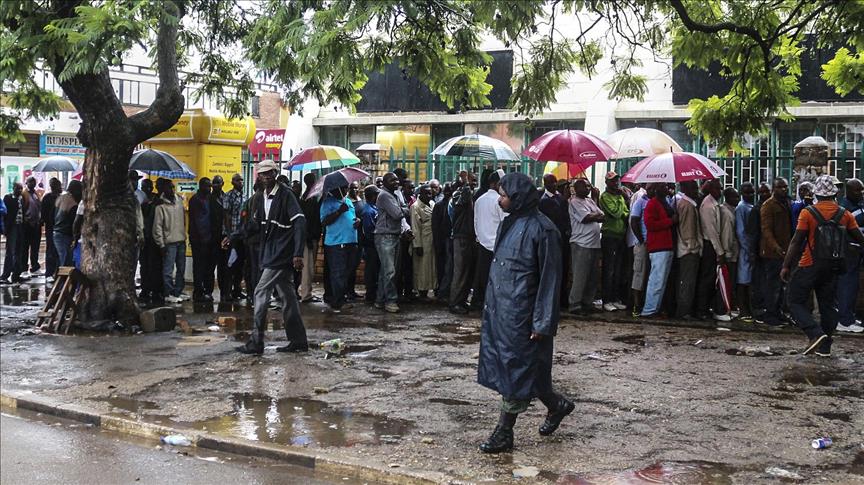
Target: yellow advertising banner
[(200, 127)]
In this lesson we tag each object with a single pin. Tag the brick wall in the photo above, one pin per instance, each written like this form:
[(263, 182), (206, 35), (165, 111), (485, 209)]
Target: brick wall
[(270, 105)]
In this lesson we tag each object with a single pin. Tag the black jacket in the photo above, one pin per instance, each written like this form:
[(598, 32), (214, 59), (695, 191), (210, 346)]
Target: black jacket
[(557, 210), (312, 212), (283, 234), (463, 213), (216, 219), (12, 208), (441, 226)]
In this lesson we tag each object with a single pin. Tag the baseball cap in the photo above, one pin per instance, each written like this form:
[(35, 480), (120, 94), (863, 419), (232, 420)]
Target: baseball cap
[(267, 166), (824, 186), (611, 175)]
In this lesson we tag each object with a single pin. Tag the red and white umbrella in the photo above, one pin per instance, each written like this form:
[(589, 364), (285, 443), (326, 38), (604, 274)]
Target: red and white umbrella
[(578, 149), (673, 167)]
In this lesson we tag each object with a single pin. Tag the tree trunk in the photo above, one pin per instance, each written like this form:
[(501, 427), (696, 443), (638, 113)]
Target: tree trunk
[(109, 251)]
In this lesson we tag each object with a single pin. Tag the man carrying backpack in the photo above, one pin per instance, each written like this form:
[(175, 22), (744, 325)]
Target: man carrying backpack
[(823, 230)]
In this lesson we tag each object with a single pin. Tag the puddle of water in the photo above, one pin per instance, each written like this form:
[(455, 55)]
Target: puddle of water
[(450, 402), (812, 377), (689, 473), (302, 422), (25, 294), (631, 339)]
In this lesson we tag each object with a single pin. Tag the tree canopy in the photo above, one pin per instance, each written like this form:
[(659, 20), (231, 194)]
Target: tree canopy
[(324, 49)]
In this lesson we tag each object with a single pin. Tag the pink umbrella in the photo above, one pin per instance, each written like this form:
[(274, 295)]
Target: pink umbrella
[(578, 149), (673, 167), (340, 178)]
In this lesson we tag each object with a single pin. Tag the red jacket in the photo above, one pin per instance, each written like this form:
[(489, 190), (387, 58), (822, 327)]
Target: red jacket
[(659, 226)]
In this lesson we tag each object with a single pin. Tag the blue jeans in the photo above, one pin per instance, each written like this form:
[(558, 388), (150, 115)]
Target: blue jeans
[(847, 292), (661, 263), (63, 245), (387, 246), (175, 254), (340, 259)]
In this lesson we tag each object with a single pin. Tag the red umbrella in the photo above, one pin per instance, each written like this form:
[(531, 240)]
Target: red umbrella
[(578, 149)]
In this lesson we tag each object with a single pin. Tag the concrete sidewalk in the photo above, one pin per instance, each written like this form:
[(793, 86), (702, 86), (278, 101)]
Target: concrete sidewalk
[(669, 403)]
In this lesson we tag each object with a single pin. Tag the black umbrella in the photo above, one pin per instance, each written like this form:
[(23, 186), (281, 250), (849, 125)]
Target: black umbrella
[(56, 164), (338, 179), (160, 164)]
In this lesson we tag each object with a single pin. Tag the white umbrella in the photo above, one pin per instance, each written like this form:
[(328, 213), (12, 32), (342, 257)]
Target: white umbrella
[(673, 167), (370, 147), (641, 142)]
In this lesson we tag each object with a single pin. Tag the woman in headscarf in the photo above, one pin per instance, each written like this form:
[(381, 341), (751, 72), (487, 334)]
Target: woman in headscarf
[(520, 317)]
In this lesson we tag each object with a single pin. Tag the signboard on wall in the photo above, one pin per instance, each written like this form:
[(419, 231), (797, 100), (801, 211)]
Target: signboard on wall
[(267, 141), (65, 145)]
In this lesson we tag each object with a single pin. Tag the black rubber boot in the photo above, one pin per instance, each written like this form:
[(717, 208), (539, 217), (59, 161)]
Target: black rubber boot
[(556, 415), (502, 438)]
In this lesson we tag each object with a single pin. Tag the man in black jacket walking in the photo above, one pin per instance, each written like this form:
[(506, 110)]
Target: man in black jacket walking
[(282, 226)]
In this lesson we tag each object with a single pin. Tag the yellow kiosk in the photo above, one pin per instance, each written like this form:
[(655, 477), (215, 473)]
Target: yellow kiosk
[(209, 144)]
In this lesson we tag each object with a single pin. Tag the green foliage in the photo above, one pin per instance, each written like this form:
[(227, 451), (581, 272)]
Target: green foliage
[(845, 72)]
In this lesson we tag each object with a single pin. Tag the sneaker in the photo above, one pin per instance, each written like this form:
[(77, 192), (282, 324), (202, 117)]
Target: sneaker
[(598, 305), (814, 344), (722, 318), (25, 275), (184, 297), (824, 349), (49, 279), (5, 281), (379, 305), (735, 313), (609, 307), (391, 308), (330, 309), (854, 328), (745, 319), (173, 299), (619, 306)]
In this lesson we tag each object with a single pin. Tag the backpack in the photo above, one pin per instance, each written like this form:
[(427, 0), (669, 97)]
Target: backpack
[(829, 244)]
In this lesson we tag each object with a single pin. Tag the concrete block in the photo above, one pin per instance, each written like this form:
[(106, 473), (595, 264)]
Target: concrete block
[(162, 319)]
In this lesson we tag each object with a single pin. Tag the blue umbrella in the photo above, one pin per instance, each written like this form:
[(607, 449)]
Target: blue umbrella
[(160, 164)]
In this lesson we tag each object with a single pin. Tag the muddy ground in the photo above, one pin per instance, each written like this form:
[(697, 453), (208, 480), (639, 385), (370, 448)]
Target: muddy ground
[(653, 403)]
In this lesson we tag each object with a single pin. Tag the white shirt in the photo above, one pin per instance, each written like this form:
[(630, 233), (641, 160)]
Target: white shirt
[(487, 217), (140, 196), (585, 234), (268, 201)]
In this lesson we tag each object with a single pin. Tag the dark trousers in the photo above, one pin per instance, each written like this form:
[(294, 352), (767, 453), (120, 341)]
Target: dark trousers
[(370, 272), (405, 270), (757, 284), (481, 276), (824, 282), (223, 274), (236, 271), (151, 269), (847, 290), (32, 239), (772, 290), (205, 256), (706, 291), (51, 258), (444, 267), (463, 267), (353, 265), (252, 267), (14, 261), (339, 258), (688, 275), (613, 267), (279, 280)]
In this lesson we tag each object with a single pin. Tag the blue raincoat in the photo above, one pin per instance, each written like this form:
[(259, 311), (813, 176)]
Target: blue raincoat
[(522, 297)]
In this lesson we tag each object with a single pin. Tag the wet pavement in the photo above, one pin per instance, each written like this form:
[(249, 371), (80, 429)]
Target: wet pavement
[(40, 449), (654, 404)]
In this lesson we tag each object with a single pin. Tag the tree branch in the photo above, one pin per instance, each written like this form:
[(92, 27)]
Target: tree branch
[(169, 102)]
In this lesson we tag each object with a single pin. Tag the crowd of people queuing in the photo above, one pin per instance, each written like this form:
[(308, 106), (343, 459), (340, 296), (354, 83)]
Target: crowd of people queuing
[(687, 251)]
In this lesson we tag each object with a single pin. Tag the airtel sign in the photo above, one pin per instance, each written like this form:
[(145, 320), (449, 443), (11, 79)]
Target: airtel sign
[(267, 141)]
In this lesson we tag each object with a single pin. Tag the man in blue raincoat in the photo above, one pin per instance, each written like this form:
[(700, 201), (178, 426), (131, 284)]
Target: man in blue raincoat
[(521, 313)]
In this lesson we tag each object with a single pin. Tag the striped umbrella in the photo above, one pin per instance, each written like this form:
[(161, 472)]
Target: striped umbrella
[(322, 156), (476, 146)]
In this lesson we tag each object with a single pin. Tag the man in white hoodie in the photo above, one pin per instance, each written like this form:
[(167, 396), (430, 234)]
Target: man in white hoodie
[(169, 233)]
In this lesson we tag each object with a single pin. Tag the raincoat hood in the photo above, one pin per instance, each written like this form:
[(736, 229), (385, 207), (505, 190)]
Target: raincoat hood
[(523, 195)]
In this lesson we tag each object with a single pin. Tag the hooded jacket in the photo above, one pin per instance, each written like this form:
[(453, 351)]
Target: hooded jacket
[(522, 298)]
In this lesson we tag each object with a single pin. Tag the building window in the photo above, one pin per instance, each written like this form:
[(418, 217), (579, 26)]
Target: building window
[(333, 135), (513, 134), (255, 106), (358, 135), (442, 133)]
